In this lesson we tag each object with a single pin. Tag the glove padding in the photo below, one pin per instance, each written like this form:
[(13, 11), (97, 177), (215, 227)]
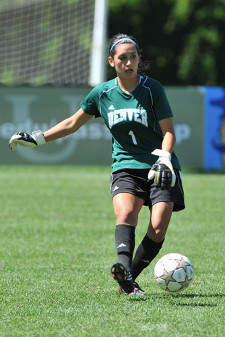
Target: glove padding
[(24, 139), (162, 171)]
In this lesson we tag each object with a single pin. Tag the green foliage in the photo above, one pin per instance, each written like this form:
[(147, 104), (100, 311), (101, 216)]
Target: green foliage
[(184, 39), (50, 53), (115, 5), (57, 246), (6, 76)]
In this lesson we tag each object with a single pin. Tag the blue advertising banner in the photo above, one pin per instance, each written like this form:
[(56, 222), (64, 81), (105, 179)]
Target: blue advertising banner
[(215, 128)]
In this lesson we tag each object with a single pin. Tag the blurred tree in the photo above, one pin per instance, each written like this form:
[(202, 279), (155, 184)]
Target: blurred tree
[(183, 39)]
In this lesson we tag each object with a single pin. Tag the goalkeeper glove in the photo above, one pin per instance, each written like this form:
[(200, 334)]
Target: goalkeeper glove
[(24, 139), (162, 171)]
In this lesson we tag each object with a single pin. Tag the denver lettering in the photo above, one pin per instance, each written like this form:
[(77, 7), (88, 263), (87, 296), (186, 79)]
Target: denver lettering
[(129, 115)]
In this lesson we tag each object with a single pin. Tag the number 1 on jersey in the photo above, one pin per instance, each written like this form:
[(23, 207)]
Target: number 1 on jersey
[(133, 137)]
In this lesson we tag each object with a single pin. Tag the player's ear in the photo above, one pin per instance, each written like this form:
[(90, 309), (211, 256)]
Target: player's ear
[(111, 61)]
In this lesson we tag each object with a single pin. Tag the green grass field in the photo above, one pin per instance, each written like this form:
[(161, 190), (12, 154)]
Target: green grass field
[(57, 247)]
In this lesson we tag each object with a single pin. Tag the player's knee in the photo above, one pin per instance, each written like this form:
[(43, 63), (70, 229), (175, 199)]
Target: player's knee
[(127, 217)]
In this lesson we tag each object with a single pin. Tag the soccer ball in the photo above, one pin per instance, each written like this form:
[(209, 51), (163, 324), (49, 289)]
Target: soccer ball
[(174, 272)]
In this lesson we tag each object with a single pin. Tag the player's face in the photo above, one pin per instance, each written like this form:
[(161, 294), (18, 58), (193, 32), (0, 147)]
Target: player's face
[(125, 60)]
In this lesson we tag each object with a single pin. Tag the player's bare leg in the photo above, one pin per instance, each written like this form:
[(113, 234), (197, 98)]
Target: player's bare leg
[(160, 217), (151, 244), (126, 208)]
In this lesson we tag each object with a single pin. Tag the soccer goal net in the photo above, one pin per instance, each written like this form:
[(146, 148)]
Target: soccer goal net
[(46, 42)]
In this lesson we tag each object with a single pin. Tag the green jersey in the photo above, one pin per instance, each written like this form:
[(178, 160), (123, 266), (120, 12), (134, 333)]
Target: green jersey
[(132, 120)]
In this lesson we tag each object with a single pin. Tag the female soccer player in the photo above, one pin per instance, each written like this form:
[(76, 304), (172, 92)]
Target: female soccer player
[(136, 111)]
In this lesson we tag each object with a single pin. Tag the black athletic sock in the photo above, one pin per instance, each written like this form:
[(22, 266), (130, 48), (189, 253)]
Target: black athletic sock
[(125, 242), (145, 253)]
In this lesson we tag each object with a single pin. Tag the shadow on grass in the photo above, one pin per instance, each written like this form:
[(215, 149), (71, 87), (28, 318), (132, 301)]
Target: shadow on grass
[(137, 298), (194, 304), (197, 297)]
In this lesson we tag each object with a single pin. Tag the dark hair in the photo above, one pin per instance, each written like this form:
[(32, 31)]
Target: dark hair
[(123, 37), (143, 66)]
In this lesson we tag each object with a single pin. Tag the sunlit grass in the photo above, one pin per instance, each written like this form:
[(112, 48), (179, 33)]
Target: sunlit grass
[(57, 246)]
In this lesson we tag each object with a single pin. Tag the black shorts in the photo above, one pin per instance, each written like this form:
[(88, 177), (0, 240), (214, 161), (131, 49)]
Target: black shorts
[(136, 182)]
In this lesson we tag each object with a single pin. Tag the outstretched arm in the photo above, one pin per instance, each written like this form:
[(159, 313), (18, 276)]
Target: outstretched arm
[(67, 126), (60, 130)]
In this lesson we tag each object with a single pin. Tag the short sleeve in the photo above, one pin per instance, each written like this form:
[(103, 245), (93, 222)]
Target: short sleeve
[(90, 103)]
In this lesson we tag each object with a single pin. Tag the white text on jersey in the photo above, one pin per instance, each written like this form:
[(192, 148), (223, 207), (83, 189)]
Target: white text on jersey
[(131, 115)]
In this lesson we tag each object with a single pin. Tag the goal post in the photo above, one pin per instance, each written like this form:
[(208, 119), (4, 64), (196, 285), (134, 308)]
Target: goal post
[(98, 51)]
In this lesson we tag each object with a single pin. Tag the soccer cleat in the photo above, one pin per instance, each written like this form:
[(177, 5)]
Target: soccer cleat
[(136, 292), (123, 277)]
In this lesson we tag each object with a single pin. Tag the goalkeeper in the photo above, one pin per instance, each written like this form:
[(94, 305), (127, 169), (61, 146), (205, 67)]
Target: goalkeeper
[(145, 170)]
